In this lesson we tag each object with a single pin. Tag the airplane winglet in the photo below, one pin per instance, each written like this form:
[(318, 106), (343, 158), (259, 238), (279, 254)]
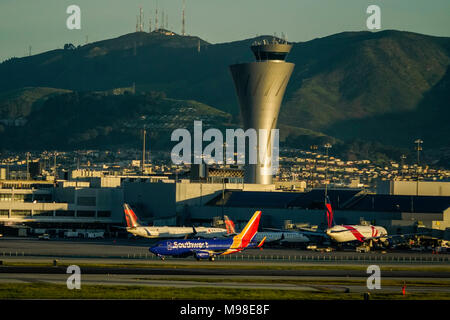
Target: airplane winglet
[(262, 242)]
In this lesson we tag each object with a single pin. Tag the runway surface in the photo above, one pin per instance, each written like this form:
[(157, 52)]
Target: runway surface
[(248, 282), (138, 249)]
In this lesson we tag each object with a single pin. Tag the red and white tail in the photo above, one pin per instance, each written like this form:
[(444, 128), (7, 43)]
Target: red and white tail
[(130, 217), (229, 225), (329, 210), (243, 239)]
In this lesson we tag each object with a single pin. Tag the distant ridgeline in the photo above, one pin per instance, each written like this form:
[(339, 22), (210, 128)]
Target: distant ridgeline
[(370, 94)]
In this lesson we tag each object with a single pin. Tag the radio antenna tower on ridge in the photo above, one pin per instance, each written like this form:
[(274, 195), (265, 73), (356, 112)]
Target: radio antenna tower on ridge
[(156, 17), (183, 30), (141, 17)]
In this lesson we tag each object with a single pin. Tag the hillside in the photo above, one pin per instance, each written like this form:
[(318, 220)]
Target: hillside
[(366, 75), (360, 89), (103, 120)]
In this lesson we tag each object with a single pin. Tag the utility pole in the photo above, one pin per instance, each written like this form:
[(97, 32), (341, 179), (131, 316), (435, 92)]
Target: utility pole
[(403, 157), (28, 166), (143, 151), (54, 165), (418, 148), (313, 148), (327, 146)]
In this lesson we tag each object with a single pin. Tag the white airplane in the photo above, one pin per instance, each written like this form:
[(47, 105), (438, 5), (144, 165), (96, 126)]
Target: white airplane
[(348, 233), (361, 233), (135, 228)]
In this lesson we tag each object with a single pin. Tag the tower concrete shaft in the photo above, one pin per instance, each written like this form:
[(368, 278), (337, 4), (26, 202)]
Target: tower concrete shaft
[(260, 88)]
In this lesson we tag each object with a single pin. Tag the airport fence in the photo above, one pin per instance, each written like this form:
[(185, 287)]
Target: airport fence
[(316, 258), (444, 258)]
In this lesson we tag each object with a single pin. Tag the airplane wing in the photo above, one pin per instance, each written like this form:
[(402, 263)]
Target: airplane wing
[(295, 231), (190, 235), (405, 235)]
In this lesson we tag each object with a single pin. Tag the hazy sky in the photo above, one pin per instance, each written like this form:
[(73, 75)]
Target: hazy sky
[(41, 24)]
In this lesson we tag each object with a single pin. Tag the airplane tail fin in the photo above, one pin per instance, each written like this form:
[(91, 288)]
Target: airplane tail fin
[(229, 225), (245, 237), (329, 210), (130, 217)]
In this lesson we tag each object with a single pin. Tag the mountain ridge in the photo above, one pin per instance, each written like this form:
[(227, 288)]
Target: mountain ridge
[(342, 84)]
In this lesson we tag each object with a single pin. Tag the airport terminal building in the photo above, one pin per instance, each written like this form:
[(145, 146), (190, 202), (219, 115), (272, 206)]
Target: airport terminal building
[(96, 203)]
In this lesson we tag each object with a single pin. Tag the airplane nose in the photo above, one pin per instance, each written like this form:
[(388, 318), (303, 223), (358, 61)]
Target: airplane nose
[(153, 250)]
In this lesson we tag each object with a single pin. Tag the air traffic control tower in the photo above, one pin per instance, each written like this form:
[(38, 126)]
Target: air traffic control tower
[(260, 88)]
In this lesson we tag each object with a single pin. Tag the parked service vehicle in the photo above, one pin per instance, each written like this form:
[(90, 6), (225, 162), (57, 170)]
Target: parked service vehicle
[(71, 234), (44, 236), (363, 249)]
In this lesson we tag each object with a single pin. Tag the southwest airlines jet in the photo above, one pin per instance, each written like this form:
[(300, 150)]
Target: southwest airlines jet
[(134, 227), (210, 248)]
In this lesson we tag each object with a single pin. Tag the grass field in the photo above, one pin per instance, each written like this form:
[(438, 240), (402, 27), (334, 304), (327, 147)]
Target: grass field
[(209, 265), (53, 291), (301, 282)]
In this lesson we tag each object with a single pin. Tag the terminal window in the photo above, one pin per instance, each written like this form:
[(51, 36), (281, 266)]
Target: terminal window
[(43, 213), (4, 212), (104, 214), (43, 197), (86, 201), (21, 213), (85, 213), (64, 213), (23, 197), (5, 196)]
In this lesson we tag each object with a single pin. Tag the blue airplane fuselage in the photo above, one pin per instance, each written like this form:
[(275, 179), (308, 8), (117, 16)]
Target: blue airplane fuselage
[(183, 248)]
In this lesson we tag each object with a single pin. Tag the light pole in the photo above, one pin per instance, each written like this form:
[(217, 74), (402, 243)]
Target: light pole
[(313, 148), (28, 166), (327, 146), (418, 148), (403, 157), (144, 133)]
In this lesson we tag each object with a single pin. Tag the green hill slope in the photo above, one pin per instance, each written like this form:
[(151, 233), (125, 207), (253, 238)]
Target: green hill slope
[(386, 87), (102, 120)]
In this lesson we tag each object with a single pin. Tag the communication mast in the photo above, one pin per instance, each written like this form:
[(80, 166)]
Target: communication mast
[(141, 20), (143, 150), (183, 30)]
